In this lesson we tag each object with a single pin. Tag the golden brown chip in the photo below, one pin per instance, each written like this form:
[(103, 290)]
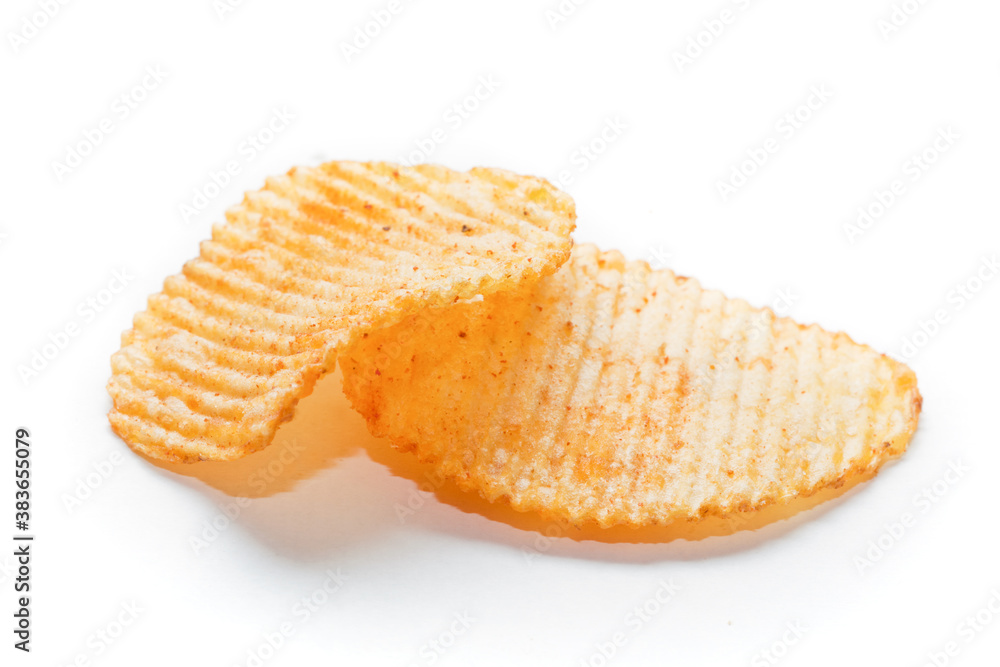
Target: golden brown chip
[(614, 394), (300, 268)]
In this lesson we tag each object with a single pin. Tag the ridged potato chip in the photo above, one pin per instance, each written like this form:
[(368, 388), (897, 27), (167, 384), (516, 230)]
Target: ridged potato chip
[(298, 270), (614, 394)]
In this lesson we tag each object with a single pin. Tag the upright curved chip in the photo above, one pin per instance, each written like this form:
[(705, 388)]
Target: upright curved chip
[(301, 268), (613, 394)]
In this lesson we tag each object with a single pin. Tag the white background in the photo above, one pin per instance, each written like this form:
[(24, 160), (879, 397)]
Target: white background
[(653, 193)]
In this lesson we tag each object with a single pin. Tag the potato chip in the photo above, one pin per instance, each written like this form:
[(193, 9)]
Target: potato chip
[(613, 394), (300, 268)]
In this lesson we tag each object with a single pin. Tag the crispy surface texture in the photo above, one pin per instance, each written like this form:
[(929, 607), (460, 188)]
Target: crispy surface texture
[(301, 268), (608, 393)]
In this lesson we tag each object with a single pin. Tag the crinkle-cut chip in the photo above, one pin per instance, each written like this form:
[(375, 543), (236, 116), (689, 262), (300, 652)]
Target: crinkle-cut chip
[(608, 393), (300, 268)]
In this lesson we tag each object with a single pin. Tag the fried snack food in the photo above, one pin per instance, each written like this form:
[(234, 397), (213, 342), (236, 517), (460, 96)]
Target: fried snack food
[(302, 267), (609, 393)]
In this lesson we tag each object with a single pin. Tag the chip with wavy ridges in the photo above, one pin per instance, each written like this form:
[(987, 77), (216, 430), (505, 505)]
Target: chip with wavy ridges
[(612, 394), (298, 270)]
